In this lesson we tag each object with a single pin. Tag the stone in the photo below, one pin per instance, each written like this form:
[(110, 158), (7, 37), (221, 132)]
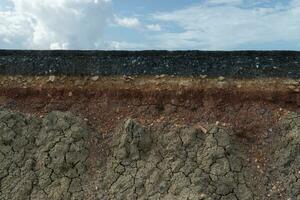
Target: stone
[(95, 78), (51, 78)]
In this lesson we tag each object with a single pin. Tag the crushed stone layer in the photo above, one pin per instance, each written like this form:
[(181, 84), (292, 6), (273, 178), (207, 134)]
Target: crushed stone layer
[(53, 157)]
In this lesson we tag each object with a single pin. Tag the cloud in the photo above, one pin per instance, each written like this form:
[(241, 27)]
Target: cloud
[(229, 26), (57, 46), (135, 23), (153, 27), (36, 24), (122, 45), (207, 25), (15, 29), (128, 22), (231, 2)]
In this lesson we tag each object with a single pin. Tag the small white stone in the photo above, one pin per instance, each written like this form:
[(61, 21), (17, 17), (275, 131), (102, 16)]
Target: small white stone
[(202, 196), (95, 78), (51, 78), (221, 78)]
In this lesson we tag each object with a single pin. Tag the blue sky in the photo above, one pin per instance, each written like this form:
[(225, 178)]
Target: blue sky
[(150, 24)]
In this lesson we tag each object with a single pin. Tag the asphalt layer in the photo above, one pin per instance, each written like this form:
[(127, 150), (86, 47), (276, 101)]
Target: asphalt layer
[(235, 64)]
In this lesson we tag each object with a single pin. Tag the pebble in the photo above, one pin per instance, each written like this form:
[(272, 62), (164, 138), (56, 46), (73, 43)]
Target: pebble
[(51, 78), (160, 76), (127, 78), (95, 78), (221, 78), (294, 88), (292, 82), (291, 87)]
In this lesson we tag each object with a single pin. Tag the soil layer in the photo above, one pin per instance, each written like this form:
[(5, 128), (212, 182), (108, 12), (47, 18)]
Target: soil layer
[(149, 137)]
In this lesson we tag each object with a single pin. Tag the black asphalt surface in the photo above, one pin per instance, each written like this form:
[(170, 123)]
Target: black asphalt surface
[(233, 64)]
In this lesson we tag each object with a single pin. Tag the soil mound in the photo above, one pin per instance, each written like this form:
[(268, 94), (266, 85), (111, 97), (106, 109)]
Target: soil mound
[(177, 163)]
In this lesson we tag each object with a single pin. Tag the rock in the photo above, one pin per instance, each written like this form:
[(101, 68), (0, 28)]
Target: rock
[(221, 78), (292, 87), (127, 78), (95, 78), (51, 78), (160, 76), (134, 141), (291, 82)]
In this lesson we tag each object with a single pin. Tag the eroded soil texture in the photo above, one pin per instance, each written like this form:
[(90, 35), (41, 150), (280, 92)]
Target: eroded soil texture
[(57, 156)]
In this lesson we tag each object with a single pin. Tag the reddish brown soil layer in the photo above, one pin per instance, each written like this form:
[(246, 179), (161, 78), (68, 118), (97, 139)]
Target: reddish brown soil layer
[(246, 105), (250, 107)]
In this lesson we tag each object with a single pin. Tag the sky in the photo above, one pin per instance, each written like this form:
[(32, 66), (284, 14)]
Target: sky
[(150, 24)]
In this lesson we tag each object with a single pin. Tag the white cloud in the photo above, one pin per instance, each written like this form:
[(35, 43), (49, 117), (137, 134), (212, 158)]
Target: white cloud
[(128, 22), (75, 24), (135, 23), (15, 29), (122, 45), (58, 46), (231, 2), (211, 24), (228, 26), (153, 27)]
